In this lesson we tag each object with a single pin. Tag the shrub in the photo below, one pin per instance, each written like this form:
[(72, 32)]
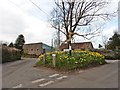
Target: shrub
[(79, 59), (30, 55), (109, 54), (114, 55), (10, 54)]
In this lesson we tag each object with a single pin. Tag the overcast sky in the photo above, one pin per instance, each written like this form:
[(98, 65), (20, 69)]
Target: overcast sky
[(22, 17)]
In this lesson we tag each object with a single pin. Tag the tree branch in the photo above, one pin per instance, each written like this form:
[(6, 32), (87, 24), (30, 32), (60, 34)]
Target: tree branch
[(58, 29)]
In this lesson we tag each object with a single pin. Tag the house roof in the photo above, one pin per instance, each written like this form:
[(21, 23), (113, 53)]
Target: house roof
[(43, 44), (34, 43), (77, 45)]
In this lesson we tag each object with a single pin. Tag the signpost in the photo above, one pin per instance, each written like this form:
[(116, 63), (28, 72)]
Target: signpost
[(44, 53), (54, 59)]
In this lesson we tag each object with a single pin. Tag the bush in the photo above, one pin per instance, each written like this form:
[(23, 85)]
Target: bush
[(114, 55), (79, 59), (10, 54), (30, 55), (109, 54)]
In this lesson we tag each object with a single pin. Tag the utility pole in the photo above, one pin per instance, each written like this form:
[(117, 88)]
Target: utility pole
[(58, 32), (119, 17), (51, 45), (58, 36)]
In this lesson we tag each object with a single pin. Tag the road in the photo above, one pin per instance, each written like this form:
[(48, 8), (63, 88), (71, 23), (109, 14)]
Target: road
[(23, 74)]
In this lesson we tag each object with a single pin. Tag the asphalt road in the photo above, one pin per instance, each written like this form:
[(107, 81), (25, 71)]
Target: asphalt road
[(22, 74)]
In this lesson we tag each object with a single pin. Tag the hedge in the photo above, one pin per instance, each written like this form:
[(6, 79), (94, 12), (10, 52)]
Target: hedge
[(109, 54), (30, 55), (10, 54)]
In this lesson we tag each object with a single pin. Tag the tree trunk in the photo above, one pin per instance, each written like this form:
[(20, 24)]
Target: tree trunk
[(69, 47)]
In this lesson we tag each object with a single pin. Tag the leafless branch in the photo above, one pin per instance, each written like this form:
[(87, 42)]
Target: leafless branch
[(78, 14), (58, 29)]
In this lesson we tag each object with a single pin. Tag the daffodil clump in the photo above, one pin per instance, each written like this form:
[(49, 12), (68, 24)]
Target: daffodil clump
[(78, 59)]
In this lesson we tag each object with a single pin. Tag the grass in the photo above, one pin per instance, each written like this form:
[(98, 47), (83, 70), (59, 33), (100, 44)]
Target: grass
[(78, 59)]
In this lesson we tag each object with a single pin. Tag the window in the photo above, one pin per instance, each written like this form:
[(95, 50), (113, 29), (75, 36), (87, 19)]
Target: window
[(37, 49)]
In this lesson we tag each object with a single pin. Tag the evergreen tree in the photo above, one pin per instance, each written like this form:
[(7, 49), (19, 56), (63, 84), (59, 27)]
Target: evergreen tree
[(100, 46), (114, 41), (19, 42), (11, 44)]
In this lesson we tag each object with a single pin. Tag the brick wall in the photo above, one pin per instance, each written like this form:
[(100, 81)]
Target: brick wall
[(33, 48)]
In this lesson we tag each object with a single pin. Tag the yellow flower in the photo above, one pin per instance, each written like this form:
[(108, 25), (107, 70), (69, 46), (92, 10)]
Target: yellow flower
[(100, 62), (76, 62), (41, 56)]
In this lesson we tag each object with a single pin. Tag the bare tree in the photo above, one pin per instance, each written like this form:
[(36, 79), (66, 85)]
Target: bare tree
[(56, 40), (105, 41), (71, 15)]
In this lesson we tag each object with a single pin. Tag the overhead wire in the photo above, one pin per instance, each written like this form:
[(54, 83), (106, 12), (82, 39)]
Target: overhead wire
[(24, 10), (39, 7), (14, 4)]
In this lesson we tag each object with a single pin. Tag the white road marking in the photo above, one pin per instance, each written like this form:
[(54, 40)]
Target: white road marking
[(38, 80), (18, 86), (62, 77), (54, 75), (47, 83)]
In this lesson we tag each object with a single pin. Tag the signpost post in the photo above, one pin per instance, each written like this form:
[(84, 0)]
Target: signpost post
[(44, 53), (54, 59)]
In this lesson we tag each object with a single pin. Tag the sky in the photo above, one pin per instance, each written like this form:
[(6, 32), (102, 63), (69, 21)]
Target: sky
[(22, 17)]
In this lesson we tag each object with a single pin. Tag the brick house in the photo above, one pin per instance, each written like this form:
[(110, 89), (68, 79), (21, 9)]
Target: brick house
[(78, 46), (36, 48)]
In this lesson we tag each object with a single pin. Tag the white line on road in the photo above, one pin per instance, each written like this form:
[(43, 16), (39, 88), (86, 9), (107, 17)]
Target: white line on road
[(38, 80), (62, 77), (18, 86), (54, 75), (47, 83)]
